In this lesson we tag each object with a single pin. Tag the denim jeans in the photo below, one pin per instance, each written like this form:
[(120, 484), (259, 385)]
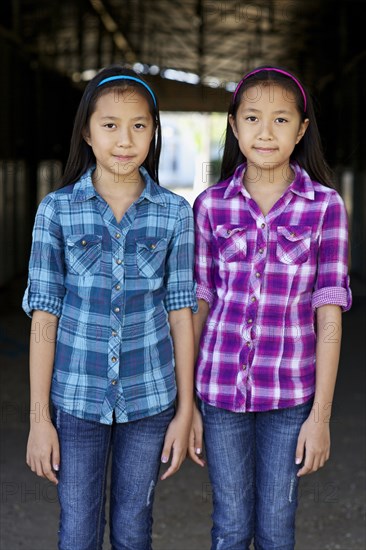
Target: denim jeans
[(252, 470), (85, 448)]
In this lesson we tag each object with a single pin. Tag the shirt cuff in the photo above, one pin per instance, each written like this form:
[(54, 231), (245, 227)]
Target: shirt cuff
[(204, 293), (32, 302), (178, 299), (332, 295)]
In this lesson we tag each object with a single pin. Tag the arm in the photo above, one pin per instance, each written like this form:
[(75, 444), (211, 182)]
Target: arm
[(176, 438), (314, 437), (196, 439), (43, 455), (331, 295), (206, 295), (44, 298)]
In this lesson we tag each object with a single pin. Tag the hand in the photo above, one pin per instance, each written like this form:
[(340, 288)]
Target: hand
[(195, 438), (314, 444), (43, 452), (176, 443)]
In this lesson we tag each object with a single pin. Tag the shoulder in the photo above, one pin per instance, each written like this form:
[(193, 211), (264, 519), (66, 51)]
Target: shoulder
[(170, 205), (210, 196), (51, 202), (325, 190), (172, 198), (327, 195)]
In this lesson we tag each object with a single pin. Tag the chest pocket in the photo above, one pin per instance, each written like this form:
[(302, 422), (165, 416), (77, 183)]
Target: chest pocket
[(231, 243), (83, 254), (150, 256), (293, 244)]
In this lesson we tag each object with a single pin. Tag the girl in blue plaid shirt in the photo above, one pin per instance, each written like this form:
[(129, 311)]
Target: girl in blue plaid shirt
[(110, 287)]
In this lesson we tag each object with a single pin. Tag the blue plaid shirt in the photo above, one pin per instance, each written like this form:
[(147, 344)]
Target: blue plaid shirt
[(111, 285)]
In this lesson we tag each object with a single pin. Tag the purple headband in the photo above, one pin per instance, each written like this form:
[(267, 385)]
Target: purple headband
[(276, 71)]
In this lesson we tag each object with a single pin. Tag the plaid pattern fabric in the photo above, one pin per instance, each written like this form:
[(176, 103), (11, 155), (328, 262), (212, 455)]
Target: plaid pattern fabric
[(263, 277), (111, 285)]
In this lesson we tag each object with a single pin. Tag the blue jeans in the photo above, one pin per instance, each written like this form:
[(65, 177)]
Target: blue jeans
[(85, 448), (251, 463)]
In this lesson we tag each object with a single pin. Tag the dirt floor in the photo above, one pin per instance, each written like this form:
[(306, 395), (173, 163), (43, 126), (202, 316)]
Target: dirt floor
[(332, 502)]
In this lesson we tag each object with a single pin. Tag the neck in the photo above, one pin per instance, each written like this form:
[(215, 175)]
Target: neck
[(115, 184), (279, 176)]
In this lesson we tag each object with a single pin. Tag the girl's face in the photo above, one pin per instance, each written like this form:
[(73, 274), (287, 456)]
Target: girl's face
[(119, 133), (268, 126)]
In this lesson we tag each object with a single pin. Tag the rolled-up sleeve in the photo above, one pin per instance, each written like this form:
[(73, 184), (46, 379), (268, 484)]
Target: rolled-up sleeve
[(332, 283), (45, 289), (179, 266), (205, 288)]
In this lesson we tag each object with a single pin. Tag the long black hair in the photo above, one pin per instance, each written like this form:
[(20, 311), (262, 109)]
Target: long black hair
[(308, 153), (81, 156)]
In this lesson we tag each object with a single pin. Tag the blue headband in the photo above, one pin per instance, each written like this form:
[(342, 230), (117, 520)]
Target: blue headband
[(125, 77)]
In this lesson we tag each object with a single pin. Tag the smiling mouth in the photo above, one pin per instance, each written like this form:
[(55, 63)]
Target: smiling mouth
[(123, 158), (264, 149)]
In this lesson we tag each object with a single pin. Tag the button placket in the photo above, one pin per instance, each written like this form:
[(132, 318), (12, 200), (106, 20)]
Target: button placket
[(117, 297), (255, 283)]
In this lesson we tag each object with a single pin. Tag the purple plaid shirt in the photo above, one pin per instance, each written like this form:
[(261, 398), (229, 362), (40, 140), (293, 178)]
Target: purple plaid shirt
[(264, 277)]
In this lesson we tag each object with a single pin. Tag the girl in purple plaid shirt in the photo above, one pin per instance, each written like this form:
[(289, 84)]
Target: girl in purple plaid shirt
[(272, 281)]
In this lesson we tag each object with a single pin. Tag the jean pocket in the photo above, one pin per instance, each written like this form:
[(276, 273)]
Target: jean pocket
[(231, 242), (83, 254), (293, 244), (150, 257)]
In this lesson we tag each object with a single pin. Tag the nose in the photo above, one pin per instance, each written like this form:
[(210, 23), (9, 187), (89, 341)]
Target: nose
[(124, 137), (265, 130)]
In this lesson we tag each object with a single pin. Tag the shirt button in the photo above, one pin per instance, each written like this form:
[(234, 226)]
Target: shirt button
[(116, 310), (263, 225), (118, 287), (228, 232), (257, 275), (114, 359), (153, 246), (261, 250), (253, 299), (250, 321), (114, 333), (114, 382), (293, 234), (118, 235), (244, 367), (247, 344), (118, 261), (83, 243)]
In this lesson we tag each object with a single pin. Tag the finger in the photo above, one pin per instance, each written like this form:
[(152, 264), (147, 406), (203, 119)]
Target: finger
[(38, 468), (198, 442), (195, 455), (307, 467), (195, 449), (49, 473), (300, 450), (46, 468), (174, 466), (31, 464), (165, 455), (196, 458), (56, 458)]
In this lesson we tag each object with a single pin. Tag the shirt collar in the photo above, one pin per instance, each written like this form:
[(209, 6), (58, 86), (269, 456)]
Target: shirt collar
[(85, 190), (301, 185)]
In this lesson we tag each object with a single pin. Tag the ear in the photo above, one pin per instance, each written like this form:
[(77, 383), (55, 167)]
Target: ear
[(303, 127), (233, 125), (86, 136)]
